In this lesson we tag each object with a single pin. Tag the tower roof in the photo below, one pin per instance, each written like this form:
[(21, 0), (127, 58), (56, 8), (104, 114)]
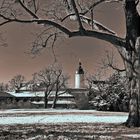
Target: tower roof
[(80, 69)]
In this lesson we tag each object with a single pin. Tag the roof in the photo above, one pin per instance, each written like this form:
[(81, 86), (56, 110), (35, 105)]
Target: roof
[(78, 89), (51, 102), (29, 94), (5, 95)]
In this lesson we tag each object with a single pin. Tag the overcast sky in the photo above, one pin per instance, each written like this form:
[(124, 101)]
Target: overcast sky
[(14, 59)]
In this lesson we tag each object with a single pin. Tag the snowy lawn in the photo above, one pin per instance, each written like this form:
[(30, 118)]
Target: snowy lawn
[(61, 111), (49, 124), (62, 119), (35, 116), (42, 110)]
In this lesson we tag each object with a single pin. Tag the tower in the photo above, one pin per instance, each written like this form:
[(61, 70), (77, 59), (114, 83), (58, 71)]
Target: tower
[(79, 77)]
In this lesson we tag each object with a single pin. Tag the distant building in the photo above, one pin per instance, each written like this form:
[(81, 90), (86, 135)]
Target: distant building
[(79, 77), (76, 97)]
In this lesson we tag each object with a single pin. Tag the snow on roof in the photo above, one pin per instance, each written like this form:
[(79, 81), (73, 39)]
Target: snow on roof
[(27, 94), (62, 95), (37, 94), (58, 102)]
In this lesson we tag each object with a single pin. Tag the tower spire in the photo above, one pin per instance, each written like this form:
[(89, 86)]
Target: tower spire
[(80, 69), (80, 62)]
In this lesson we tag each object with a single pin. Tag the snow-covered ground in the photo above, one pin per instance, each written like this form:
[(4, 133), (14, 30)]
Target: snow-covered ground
[(44, 110), (68, 111), (70, 117), (34, 119)]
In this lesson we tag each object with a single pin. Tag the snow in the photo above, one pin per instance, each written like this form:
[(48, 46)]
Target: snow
[(28, 94), (71, 116), (134, 136), (62, 95), (51, 102), (37, 94), (41, 119), (44, 110), (38, 103), (37, 137), (62, 102)]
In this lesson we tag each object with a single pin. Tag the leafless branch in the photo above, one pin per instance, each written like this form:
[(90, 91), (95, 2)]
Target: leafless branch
[(28, 10), (77, 14), (96, 4), (109, 62), (107, 37)]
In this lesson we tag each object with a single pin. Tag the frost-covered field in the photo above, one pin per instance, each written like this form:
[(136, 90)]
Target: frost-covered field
[(64, 125), (13, 117)]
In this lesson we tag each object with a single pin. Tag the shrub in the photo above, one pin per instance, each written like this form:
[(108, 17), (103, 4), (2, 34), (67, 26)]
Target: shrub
[(113, 96)]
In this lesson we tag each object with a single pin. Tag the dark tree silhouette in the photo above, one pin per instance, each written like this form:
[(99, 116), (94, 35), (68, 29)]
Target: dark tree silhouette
[(53, 80)]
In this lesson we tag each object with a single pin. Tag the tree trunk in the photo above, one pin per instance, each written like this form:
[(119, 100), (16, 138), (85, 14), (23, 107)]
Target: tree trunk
[(17, 89), (134, 105), (55, 100), (46, 100), (134, 118), (133, 60)]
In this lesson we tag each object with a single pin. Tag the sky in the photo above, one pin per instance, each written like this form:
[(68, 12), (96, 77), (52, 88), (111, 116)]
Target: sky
[(15, 59)]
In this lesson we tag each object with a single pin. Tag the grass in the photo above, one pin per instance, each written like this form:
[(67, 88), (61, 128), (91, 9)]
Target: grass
[(69, 131)]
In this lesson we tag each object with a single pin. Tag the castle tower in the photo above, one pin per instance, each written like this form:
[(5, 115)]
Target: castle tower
[(79, 77)]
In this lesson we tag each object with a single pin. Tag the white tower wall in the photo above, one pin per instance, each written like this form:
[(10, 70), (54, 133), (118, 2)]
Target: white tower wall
[(79, 80)]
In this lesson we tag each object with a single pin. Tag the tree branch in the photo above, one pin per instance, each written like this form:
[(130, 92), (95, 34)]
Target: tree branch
[(90, 8), (96, 4), (110, 62), (40, 21), (28, 10), (77, 14), (103, 36), (115, 68), (95, 24), (99, 35), (5, 22)]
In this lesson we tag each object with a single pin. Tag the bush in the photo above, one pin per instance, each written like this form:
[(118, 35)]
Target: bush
[(113, 96)]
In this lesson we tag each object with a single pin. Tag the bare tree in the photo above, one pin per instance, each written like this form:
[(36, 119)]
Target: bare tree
[(45, 79), (3, 87), (53, 80), (32, 84), (81, 11), (17, 82), (60, 85)]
